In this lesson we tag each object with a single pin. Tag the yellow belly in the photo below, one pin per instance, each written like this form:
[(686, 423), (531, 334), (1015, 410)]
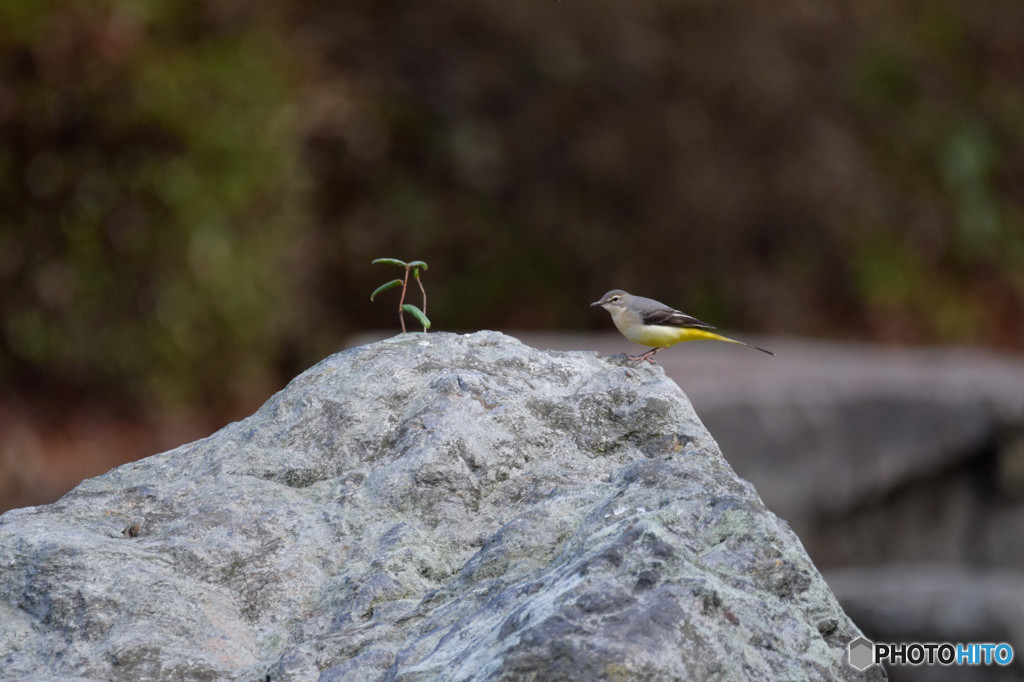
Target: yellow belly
[(661, 336)]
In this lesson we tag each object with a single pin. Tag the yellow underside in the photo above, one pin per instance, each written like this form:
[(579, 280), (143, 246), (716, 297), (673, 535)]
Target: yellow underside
[(659, 337)]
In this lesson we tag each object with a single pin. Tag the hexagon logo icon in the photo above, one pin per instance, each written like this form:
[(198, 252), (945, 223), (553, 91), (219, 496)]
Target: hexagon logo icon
[(862, 653)]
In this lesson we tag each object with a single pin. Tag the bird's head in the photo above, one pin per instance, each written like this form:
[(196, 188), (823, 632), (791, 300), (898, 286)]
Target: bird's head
[(616, 299)]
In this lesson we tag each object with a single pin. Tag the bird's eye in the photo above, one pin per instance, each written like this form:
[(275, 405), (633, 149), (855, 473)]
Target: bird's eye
[(615, 299)]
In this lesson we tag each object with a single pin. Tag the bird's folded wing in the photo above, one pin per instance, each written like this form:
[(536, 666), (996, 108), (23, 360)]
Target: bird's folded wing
[(673, 318)]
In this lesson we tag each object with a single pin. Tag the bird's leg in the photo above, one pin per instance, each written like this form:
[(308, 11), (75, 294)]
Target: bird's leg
[(646, 356)]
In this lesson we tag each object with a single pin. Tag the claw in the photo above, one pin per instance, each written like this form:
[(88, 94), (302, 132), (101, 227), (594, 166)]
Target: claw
[(646, 356)]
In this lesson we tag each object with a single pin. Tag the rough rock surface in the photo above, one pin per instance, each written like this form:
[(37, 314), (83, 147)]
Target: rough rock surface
[(826, 430), (428, 507)]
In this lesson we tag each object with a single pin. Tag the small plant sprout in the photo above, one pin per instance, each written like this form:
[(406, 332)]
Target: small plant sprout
[(403, 307)]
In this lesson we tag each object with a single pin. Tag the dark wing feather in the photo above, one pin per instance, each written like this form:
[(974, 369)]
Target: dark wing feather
[(673, 318)]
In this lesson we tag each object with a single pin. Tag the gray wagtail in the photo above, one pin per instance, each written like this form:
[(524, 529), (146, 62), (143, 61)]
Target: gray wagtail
[(648, 322)]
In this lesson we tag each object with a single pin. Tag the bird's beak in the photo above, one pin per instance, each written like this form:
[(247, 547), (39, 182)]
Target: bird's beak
[(596, 303)]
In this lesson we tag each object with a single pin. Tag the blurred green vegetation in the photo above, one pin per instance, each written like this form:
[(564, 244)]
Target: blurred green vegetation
[(148, 190), (191, 192)]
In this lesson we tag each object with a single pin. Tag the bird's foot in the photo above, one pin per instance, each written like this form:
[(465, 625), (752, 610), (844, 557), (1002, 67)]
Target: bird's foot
[(645, 356)]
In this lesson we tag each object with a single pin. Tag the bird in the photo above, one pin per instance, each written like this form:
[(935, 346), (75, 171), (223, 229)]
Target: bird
[(652, 323)]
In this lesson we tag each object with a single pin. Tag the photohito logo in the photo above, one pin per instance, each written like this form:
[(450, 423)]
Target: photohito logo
[(865, 653)]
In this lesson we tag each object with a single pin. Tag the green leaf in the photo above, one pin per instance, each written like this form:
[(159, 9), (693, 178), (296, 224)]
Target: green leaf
[(389, 261), (384, 287), (418, 314), (417, 264)]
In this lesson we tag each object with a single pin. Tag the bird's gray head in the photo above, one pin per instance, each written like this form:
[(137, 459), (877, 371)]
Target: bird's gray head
[(614, 299)]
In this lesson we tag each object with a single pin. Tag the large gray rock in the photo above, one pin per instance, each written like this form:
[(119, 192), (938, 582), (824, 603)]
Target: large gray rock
[(431, 506), (826, 430)]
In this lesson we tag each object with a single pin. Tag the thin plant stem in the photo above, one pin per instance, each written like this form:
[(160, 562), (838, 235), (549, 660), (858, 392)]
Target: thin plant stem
[(401, 313), (424, 292)]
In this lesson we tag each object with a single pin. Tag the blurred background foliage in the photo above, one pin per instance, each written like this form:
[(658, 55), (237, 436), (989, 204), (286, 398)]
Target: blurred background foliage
[(191, 191)]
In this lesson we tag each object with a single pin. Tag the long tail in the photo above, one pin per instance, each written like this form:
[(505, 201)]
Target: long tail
[(704, 334)]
